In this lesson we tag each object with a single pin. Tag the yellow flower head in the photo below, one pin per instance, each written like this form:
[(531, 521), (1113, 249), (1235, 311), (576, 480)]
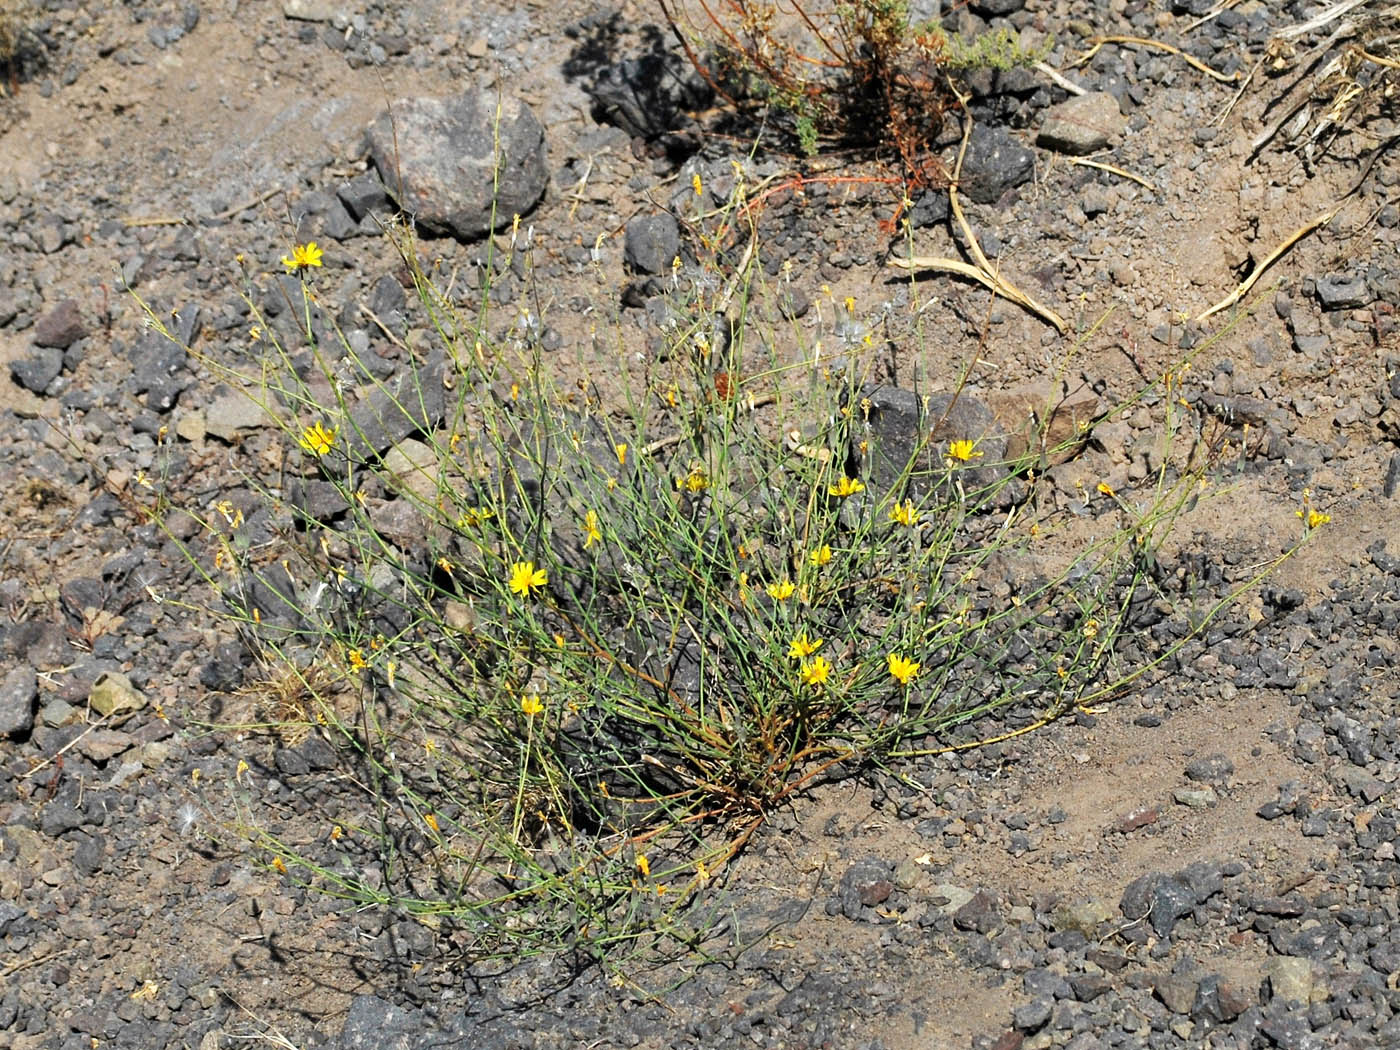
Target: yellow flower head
[(592, 533), (846, 487), (317, 439), (621, 450), (524, 576), (1105, 489), (781, 591), (644, 865), (696, 184), (1313, 518), (963, 450), (694, 482), (815, 672), (902, 670), (803, 647), (821, 556), (905, 513), (303, 257), (357, 660), (531, 705)]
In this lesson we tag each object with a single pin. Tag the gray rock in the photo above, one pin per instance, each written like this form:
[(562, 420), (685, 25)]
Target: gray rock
[(1342, 291), (1196, 798), (1291, 1033), (438, 158), (649, 97), (410, 404), (997, 8), (18, 693), (995, 163), (1220, 1000), (1210, 769), (1032, 1015), (865, 884), (38, 370), (61, 327), (373, 1024), (364, 195), (651, 243), (230, 414), (56, 818), (909, 436), (1081, 124)]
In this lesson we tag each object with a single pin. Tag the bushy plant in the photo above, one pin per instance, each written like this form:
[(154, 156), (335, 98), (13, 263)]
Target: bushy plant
[(573, 649), (841, 74)]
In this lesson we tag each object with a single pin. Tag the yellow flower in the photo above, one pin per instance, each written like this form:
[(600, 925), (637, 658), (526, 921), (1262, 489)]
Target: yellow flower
[(696, 184), (821, 556), (621, 450), (1313, 518), (592, 534), (815, 672), (317, 439), (303, 257), (904, 513), (702, 871), (277, 863), (781, 591), (902, 669), (432, 822), (1091, 629), (963, 450), (531, 705), (1105, 489), (524, 576), (357, 660), (255, 333), (337, 833), (846, 487), (850, 304), (644, 865), (694, 482), (803, 647)]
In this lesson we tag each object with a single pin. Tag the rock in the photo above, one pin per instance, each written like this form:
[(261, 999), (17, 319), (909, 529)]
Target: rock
[(58, 818), (412, 466), (373, 1024), (411, 403), (1046, 424), (1290, 978), (651, 243), (101, 745), (1193, 798), (1085, 916), (363, 196), (438, 159), (979, 914), (61, 327), (1164, 899), (995, 163), (227, 416), (38, 370), (113, 691), (649, 97), (1212, 769), (997, 8), (310, 10), (1220, 1000), (865, 884), (906, 433), (1342, 291), (1081, 124), (1032, 1015), (1177, 991), (19, 691)]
